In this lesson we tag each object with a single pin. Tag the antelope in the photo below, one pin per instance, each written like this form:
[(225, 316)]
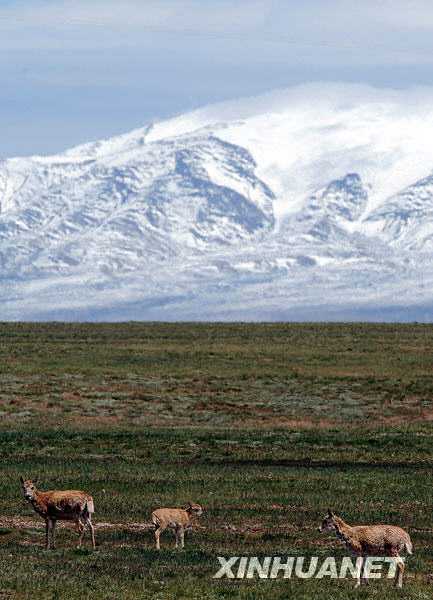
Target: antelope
[(178, 519), (371, 540), (67, 505)]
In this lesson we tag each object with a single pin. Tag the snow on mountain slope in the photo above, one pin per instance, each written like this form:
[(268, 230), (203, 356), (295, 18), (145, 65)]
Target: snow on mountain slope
[(313, 202), (331, 211), (406, 220), (149, 202), (306, 136)]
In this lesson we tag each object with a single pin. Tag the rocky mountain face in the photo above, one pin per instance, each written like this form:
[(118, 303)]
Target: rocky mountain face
[(149, 203), (405, 221), (183, 224)]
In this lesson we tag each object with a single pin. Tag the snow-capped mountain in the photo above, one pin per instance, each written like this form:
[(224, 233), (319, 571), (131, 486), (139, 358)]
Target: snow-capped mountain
[(293, 205), (150, 202), (330, 212), (406, 219)]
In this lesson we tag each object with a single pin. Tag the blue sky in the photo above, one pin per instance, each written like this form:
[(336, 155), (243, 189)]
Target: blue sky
[(77, 70)]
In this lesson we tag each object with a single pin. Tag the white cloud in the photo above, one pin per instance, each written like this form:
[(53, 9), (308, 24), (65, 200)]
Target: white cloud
[(406, 15), (330, 31), (172, 15)]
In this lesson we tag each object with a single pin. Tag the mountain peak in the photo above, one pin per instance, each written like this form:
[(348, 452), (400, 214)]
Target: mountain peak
[(351, 182), (176, 221), (332, 210)]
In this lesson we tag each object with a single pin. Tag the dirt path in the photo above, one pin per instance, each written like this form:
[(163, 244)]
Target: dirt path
[(27, 523)]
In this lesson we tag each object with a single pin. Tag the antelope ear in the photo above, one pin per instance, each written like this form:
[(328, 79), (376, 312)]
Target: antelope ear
[(21, 479), (35, 481), (330, 513)]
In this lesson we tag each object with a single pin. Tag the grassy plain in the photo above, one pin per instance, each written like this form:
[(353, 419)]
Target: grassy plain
[(265, 425)]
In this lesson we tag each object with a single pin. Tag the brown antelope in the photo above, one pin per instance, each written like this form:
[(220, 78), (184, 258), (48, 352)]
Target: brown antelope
[(178, 519), (67, 505), (371, 540)]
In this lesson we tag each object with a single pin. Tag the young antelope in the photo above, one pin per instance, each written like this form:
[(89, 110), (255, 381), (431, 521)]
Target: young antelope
[(371, 540), (53, 506), (178, 519)]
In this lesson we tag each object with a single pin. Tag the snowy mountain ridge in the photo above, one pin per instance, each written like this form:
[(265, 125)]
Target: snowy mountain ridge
[(272, 208)]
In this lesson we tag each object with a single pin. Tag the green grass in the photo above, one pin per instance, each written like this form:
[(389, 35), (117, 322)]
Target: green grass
[(215, 375), (265, 425)]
